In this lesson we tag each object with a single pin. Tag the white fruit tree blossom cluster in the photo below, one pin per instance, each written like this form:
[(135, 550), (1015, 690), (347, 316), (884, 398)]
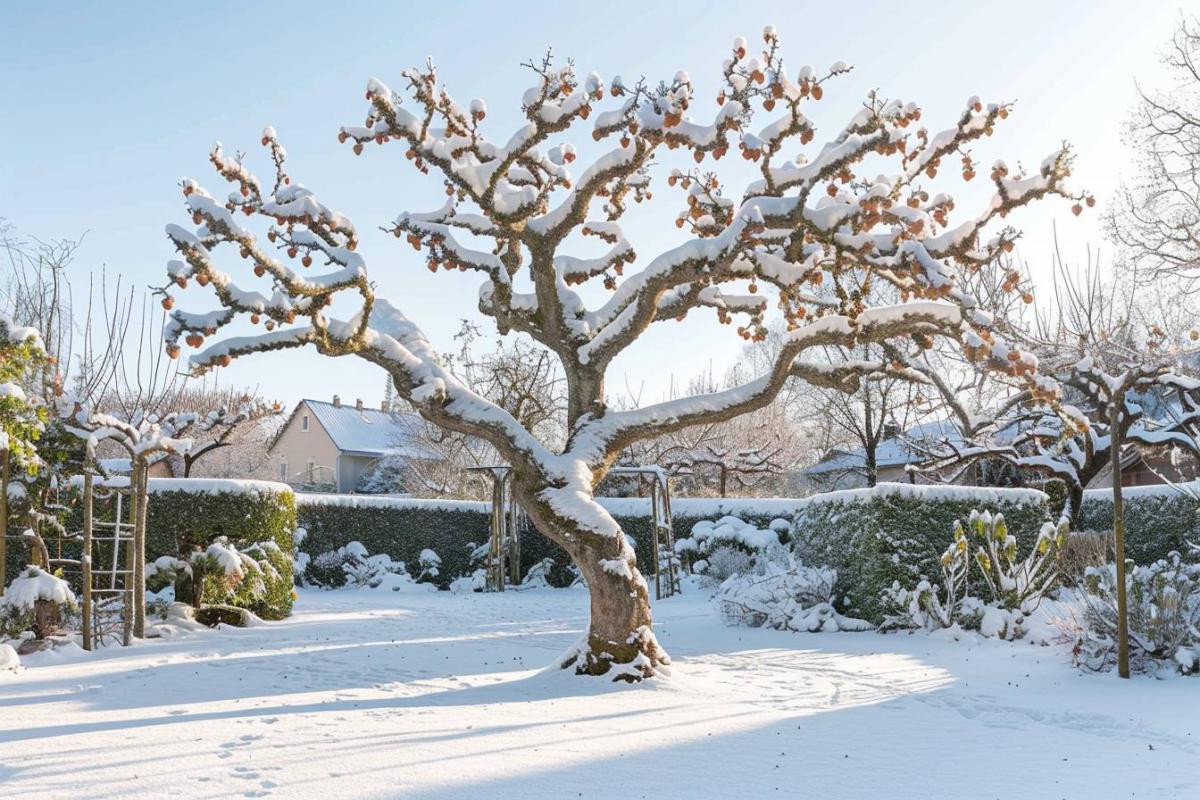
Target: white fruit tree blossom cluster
[(810, 236)]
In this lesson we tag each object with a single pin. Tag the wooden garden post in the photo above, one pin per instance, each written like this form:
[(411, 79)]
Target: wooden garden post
[(85, 561), (3, 517), (141, 484), (1119, 540)]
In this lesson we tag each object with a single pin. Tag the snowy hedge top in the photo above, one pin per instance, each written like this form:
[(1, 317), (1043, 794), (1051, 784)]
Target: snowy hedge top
[(706, 507), (1190, 489), (931, 493), (376, 501), (217, 486), (195, 485)]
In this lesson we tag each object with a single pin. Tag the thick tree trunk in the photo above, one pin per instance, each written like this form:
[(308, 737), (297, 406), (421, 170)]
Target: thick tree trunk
[(872, 466), (620, 641)]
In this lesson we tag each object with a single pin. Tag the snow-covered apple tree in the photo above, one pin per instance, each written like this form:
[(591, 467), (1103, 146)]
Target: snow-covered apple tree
[(808, 236)]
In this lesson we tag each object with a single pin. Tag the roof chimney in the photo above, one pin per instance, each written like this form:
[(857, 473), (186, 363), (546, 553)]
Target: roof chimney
[(337, 401), (358, 404)]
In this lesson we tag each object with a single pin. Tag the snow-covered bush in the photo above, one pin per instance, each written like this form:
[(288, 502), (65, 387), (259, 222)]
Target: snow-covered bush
[(780, 592), (728, 531), (1081, 551), (431, 565), (1017, 586), (475, 582), (725, 547), (35, 601), (352, 566), (721, 563), (538, 576), (1164, 616), (894, 533)]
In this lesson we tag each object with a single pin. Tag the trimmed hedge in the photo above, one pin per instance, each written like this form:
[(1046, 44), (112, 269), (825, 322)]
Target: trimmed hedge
[(399, 527), (898, 532), (1158, 519), (403, 527)]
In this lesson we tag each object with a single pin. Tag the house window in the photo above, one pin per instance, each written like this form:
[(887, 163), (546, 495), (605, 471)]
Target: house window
[(304, 423), (310, 469), (283, 474)]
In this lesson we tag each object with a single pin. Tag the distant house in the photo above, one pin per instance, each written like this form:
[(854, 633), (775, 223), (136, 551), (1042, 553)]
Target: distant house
[(328, 446), (847, 469)]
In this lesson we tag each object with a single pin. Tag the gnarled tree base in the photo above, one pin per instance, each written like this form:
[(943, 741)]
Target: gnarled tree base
[(638, 658)]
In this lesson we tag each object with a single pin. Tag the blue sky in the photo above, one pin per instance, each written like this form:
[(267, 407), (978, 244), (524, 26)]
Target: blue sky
[(105, 108)]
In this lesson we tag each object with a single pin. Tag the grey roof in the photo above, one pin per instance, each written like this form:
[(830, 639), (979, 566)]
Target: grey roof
[(892, 452), (370, 431)]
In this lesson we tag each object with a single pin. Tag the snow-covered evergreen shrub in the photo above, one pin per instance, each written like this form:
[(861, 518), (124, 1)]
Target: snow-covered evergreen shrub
[(431, 565), (782, 593), (391, 474), (724, 547), (1159, 520), (324, 570), (228, 576), (893, 533), (475, 582), (538, 576), (1164, 616), (352, 566), (35, 601)]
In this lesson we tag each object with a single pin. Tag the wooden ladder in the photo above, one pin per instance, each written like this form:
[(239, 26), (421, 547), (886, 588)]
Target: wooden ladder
[(107, 565), (666, 562)]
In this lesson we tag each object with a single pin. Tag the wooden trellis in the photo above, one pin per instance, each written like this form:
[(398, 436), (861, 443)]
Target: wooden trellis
[(666, 562), (109, 562), (508, 521)]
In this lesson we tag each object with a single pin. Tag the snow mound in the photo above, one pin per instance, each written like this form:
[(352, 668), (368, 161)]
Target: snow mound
[(9, 660)]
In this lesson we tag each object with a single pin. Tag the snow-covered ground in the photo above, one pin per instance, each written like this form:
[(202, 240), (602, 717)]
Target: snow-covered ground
[(372, 693)]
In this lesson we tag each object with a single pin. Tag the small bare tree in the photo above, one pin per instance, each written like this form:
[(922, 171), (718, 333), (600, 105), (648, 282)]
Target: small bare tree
[(814, 231), (1155, 217), (228, 421), (744, 455), (881, 409)]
